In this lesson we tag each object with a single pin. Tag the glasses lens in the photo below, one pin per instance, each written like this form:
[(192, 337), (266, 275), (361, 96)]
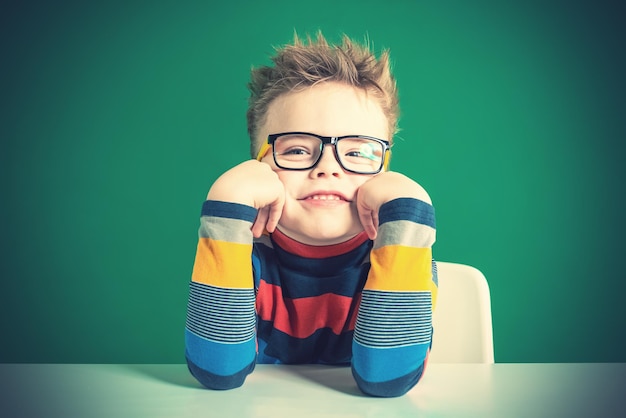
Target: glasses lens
[(297, 150), (361, 155)]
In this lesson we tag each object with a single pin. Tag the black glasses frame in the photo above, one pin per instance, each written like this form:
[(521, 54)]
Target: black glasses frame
[(331, 140)]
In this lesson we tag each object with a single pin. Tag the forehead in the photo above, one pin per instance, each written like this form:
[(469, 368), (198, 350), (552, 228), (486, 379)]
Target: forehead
[(330, 109)]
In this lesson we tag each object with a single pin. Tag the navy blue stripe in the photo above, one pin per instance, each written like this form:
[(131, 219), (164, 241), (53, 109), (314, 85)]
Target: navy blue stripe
[(323, 346), (301, 277), (407, 209), (228, 210)]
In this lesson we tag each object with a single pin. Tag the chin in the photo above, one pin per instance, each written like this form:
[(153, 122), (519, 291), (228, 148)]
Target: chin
[(330, 238), (325, 230)]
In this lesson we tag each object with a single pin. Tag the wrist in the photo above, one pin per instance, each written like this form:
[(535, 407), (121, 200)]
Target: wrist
[(224, 209), (391, 185), (222, 191), (409, 209)]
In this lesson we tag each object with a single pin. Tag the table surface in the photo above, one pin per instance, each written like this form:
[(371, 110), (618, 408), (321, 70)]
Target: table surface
[(446, 390)]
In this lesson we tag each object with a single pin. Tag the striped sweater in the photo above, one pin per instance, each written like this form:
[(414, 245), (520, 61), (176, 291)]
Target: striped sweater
[(363, 303)]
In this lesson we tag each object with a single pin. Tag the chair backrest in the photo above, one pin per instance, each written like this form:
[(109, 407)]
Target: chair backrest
[(462, 324)]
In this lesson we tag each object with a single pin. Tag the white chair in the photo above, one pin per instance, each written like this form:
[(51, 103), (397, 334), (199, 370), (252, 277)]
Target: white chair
[(462, 324)]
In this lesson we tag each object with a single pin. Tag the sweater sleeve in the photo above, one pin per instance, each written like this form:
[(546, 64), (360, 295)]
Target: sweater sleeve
[(220, 339), (394, 323)]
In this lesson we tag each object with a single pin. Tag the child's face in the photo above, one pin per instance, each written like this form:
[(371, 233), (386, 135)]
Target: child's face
[(320, 204)]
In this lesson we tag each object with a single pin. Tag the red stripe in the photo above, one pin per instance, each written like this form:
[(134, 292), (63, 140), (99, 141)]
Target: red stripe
[(301, 317), (318, 251)]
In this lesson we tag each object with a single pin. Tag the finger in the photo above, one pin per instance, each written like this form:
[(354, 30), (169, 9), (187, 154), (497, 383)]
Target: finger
[(368, 221), (275, 212), (259, 222), (370, 229), (374, 232), (365, 215)]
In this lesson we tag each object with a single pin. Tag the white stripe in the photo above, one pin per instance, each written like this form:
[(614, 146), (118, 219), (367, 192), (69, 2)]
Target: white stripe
[(221, 315), (394, 319), (225, 229), (405, 233)]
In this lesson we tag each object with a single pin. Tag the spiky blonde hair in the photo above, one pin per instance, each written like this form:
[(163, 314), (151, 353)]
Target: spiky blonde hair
[(303, 64)]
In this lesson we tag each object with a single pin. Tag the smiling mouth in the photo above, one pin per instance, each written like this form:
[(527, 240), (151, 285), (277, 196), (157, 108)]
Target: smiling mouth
[(325, 197)]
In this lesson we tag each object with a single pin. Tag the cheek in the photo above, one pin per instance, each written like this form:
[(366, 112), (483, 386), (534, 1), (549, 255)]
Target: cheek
[(358, 181), (291, 180)]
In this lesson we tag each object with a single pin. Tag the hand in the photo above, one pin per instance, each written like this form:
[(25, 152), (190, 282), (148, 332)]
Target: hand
[(254, 184), (381, 189)]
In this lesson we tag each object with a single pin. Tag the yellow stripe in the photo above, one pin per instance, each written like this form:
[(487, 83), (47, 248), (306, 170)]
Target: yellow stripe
[(223, 264), (399, 268)]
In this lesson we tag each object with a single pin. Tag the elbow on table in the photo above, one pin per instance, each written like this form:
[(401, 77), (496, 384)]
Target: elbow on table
[(217, 382), (391, 388)]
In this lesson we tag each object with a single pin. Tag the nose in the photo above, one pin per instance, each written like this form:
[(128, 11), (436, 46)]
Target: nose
[(328, 164)]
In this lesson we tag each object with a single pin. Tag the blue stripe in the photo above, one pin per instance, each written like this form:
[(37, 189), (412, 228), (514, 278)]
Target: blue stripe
[(217, 382), (407, 209), (301, 277), (389, 388), (216, 358), (228, 210), (381, 365)]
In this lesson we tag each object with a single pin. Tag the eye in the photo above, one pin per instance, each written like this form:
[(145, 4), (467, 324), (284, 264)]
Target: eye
[(355, 154), (364, 150), (295, 151), (296, 147)]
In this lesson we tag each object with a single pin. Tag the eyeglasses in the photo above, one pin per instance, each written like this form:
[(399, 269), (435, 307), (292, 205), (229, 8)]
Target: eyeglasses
[(302, 151)]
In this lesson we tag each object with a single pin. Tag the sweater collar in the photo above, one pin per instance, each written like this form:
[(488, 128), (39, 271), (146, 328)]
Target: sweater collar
[(317, 251)]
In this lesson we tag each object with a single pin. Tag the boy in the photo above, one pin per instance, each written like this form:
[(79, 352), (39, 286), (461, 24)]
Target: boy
[(313, 252)]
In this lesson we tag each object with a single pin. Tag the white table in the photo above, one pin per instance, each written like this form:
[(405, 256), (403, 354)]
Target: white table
[(446, 390)]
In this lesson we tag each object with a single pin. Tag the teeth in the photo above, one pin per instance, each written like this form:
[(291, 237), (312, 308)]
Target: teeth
[(325, 197)]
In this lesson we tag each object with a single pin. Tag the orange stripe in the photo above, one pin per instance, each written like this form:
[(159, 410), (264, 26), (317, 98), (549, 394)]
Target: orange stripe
[(400, 268), (223, 264)]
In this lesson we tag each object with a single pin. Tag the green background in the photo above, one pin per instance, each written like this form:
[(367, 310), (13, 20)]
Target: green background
[(116, 118)]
